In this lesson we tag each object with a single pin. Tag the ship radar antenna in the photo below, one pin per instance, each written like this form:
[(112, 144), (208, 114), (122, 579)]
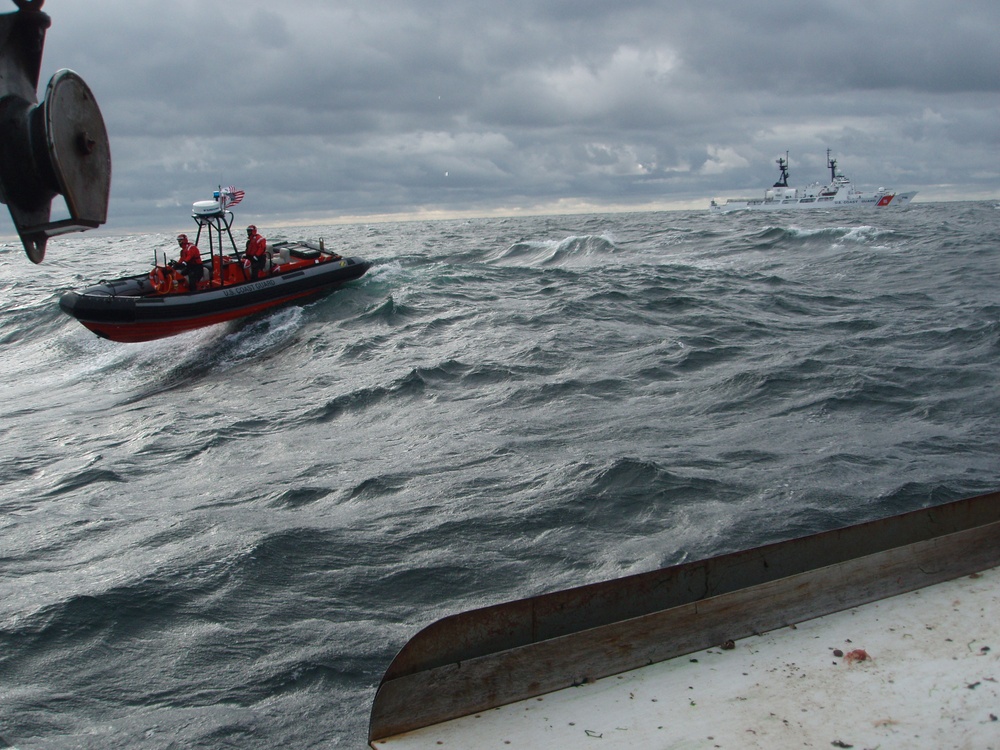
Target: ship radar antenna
[(783, 166), (832, 164)]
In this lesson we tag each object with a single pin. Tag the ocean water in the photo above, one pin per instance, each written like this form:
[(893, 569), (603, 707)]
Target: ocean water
[(221, 539)]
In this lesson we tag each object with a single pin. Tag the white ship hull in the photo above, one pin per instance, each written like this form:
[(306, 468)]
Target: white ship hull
[(863, 200)]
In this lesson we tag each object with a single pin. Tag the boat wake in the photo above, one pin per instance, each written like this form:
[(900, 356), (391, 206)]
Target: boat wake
[(155, 367), (269, 333)]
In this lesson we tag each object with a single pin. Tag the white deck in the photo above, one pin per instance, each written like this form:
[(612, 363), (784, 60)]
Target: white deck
[(933, 681)]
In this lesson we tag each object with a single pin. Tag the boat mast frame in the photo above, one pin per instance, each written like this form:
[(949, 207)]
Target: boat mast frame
[(216, 224)]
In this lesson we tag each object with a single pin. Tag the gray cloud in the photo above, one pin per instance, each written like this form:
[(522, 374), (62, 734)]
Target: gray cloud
[(323, 109)]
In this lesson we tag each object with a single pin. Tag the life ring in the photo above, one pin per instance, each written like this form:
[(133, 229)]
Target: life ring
[(162, 279)]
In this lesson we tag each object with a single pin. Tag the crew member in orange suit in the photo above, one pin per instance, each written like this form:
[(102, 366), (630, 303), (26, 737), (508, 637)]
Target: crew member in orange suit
[(256, 251), (190, 261)]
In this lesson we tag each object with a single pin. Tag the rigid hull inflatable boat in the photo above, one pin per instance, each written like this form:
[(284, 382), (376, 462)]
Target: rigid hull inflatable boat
[(161, 303)]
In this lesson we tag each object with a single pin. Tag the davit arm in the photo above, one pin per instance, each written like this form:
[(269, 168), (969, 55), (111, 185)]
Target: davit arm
[(57, 147)]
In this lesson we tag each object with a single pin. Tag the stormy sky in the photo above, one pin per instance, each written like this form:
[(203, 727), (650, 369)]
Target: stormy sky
[(331, 109)]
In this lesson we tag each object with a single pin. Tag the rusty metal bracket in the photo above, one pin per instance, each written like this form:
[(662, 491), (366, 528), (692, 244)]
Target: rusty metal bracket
[(58, 147)]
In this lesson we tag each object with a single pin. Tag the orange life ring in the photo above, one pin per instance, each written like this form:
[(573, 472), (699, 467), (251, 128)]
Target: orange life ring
[(162, 279)]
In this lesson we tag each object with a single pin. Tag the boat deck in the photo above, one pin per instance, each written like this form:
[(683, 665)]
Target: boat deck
[(931, 679)]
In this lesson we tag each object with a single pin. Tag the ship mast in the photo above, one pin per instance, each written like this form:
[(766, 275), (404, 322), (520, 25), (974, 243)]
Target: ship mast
[(783, 166), (832, 164)]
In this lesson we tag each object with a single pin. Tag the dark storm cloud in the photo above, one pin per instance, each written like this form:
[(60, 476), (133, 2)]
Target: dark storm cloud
[(323, 109), (930, 47)]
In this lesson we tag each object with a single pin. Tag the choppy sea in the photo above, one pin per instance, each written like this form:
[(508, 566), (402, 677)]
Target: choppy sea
[(221, 539)]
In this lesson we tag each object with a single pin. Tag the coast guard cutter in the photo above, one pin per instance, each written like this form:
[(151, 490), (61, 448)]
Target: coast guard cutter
[(839, 193)]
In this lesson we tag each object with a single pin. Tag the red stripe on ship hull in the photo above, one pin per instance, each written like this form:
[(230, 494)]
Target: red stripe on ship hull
[(132, 333)]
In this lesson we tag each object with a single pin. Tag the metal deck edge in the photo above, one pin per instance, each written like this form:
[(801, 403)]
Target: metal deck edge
[(697, 618)]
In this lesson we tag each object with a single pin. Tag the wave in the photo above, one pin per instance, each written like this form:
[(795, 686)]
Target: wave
[(777, 237), (409, 385), (570, 251)]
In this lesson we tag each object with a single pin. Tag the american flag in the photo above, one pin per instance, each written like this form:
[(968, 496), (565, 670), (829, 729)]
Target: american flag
[(231, 196)]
